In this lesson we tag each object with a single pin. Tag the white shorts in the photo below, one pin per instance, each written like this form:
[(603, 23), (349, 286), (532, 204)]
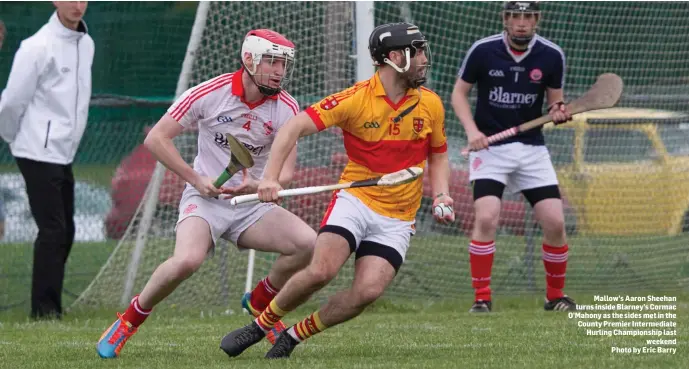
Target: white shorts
[(516, 165), (368, 232), (225, 221)]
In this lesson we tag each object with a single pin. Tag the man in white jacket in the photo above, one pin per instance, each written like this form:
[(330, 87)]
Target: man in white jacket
[(43, 114)]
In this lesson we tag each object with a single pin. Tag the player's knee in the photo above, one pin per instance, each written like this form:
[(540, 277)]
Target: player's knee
[(554, 227), (320, 275), (186, 266), (301, 245), (487, 220), (555, 224), (305, 245), (550, 215), (367, 294)]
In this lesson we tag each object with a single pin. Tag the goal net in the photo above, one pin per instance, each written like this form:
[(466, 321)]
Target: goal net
[(624, 177)]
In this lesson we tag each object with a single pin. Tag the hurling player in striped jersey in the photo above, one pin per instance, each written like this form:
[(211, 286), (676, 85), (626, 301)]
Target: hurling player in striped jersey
[(390, 122), (250, 105)]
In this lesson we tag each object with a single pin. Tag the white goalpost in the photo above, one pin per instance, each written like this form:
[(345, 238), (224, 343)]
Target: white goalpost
[(151, 198), (365, 23)]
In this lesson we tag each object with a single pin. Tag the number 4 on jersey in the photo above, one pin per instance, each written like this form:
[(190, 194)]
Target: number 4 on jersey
[(247, 125)]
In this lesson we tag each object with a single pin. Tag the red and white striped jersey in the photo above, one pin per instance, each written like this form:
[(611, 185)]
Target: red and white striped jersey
[(217, 107)]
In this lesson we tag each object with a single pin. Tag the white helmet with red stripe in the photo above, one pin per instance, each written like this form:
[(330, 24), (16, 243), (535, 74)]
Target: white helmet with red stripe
[(275, 52)]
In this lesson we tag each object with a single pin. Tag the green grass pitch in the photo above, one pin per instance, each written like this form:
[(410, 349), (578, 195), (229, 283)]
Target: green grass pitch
[(519, 334), (390, 334)]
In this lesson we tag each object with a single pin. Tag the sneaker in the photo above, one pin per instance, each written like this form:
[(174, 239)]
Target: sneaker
[(564, 303), (113, 339), (235, 342), (481, 306), (278, 328), (283, 347)]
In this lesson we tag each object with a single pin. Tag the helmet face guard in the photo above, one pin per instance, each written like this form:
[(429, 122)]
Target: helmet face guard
[(526, 9), (403, 37), (416, 75), (267, 47)]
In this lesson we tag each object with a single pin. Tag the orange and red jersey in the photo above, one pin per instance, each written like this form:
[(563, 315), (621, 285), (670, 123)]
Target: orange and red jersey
[(376, 144)]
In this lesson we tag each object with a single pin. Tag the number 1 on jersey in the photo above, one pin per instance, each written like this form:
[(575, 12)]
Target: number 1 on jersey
[(247, 125)]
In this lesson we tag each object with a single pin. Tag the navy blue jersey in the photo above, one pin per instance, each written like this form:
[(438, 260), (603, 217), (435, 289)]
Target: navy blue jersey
[(511, 88)]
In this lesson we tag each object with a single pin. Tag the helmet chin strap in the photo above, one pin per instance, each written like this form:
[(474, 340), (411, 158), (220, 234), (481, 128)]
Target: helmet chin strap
[(406, 66), (266, 90), (415, 83), (521, 41)]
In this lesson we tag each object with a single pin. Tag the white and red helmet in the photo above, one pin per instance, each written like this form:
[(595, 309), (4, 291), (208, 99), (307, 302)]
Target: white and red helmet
[(260, 43)]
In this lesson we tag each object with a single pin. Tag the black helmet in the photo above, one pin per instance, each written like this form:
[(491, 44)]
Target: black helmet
[(521, 7), (525, 7), (397, 36)]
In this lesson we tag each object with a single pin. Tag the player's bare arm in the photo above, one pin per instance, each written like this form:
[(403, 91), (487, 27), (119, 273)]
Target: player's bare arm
[(439, 168), (287, 172), (283, 149), (249, 184), (159, 142), (556, 105), (460, 104)]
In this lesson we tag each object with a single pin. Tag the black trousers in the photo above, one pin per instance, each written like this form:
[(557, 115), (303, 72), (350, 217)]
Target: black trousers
[(50, 188)]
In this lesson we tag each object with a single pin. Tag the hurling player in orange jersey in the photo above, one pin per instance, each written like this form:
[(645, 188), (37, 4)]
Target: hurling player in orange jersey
[(389, 123)]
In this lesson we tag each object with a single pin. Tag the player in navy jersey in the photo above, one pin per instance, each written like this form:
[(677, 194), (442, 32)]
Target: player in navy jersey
[(514, 71)]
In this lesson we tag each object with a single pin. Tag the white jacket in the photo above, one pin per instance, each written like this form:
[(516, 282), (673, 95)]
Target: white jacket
[(44, 107)]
